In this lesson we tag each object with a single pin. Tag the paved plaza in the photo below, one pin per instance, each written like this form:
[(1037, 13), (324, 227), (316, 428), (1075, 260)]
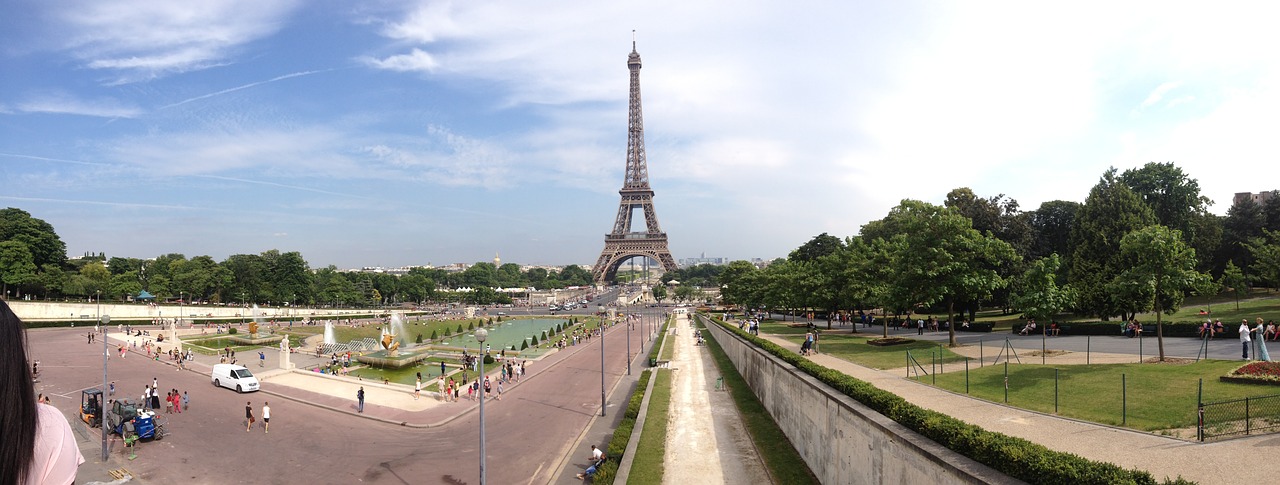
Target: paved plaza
[(537, 433)]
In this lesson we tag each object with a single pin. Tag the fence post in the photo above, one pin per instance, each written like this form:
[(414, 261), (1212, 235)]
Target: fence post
[(980, 356), (1200, 411), (934, 369), (940, 361), (1247, 421), (1006, 381), (908, 364), (966, 375), (1124, 401), (1042, 349), (1055, 391), (1088, 348), (1139, 348)]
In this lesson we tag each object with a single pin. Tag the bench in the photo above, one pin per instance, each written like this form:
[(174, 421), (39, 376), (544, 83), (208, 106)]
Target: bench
[(659, 363)]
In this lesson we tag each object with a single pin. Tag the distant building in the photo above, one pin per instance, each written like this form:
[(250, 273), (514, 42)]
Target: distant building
[(1258, 198), (688, 262)]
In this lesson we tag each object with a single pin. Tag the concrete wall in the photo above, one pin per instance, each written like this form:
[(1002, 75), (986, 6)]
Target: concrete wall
[(843, 441)]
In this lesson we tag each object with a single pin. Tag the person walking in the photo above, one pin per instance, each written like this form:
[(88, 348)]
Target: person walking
[(1244, 339), (266, 417), (360, 400), (417, 387), (186, 401), (262, 359), (248, 416)]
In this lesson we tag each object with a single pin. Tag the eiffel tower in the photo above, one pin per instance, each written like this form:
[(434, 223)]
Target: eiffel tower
[(622, 244)]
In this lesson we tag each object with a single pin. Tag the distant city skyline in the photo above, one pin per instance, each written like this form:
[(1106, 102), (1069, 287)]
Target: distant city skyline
[(397, 133)]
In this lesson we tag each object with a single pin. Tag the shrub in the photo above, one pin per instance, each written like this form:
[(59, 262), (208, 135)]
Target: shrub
[(544, 336), (471, 325), (460, 329), (524, 345), (433, 335), (446, 332), (535, 340), (618, 444), (488, 359), (418, 340), (231, 331)]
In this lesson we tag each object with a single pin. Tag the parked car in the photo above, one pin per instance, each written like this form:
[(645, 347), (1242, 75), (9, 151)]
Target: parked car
[(232, 376)]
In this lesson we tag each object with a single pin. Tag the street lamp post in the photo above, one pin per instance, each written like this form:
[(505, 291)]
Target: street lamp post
[(179, 319), (102, 401), (602, 402), (481, 335), (629, 345), (98, 301)]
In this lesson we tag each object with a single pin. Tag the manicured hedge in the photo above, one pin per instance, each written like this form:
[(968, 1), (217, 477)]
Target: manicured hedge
[(1012, 456), (657, 342), (618, 444)]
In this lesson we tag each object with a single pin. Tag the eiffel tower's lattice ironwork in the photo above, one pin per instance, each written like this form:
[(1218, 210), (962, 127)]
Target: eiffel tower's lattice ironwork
[(622, 244)]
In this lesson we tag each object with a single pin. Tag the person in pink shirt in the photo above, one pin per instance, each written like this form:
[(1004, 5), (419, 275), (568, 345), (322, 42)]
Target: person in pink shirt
[(37, 446)]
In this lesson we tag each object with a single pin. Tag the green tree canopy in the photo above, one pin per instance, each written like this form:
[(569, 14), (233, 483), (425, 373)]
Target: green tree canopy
[(1157, 258), (1111, 211)]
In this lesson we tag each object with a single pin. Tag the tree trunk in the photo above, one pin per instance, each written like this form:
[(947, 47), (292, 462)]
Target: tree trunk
[(951, 327), (1159, 325)]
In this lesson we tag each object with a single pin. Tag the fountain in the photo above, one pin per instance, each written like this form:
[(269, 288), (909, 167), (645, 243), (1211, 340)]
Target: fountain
[(393, 336), (329, 339), (253, 338)]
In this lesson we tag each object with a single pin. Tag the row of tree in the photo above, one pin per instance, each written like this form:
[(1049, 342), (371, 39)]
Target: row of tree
[(33, 261), (1140, 242)]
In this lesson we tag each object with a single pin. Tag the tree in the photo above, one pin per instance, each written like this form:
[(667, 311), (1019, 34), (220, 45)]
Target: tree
[(1157, 258), (1243, 223), (943, 259), (17, 266), (732, 282), (1266, 258), (37, 235), (1111, 211), (1051, 228), (818, 247), (659, 293), (1039, 295), (1174, 198), (1234, 281)]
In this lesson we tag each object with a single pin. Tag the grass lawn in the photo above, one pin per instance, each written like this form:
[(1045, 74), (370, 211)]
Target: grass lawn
[(854, 348), (647, 468), (1159, 396), (780, 457)]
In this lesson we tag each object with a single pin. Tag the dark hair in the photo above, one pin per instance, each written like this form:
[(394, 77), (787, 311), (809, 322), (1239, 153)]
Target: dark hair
[(18, 412)]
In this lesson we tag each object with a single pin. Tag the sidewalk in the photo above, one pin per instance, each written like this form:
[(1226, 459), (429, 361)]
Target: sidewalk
[(1202, 462)]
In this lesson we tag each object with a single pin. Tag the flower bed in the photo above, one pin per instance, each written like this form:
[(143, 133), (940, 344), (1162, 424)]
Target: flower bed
[(1267, 373)]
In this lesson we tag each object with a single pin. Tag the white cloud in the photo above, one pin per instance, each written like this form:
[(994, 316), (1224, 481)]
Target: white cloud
[(143, 39), (62, 103), (417, 60)]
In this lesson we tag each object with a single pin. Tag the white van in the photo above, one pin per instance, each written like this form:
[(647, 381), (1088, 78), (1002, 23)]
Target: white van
[(233, 376)]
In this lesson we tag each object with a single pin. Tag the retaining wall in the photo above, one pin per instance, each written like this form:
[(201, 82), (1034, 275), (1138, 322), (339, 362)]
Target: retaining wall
[(841, 440)]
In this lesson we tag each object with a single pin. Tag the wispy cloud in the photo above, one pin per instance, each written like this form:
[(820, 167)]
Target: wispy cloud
[(244, 86), (67, 104), (143, 39), (59, 160), (417, 60), (127, 205)]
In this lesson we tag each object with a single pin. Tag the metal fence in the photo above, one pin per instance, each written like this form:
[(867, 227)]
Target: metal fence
[(1237, 417)]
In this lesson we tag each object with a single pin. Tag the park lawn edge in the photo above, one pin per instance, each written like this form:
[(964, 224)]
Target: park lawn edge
[(1015, 457), (781, 460), (647, 467)]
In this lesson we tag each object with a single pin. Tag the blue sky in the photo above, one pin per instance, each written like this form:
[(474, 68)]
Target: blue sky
[(398, 132)]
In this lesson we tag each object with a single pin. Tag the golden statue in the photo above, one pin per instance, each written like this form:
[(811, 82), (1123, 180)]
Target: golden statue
[(253, 329), (389, 343)]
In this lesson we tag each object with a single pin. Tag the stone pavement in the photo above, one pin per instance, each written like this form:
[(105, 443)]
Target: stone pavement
[(537, 434), (1227, 461)]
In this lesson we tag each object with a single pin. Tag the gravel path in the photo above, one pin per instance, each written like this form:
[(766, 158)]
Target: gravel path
[(706, 440)]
